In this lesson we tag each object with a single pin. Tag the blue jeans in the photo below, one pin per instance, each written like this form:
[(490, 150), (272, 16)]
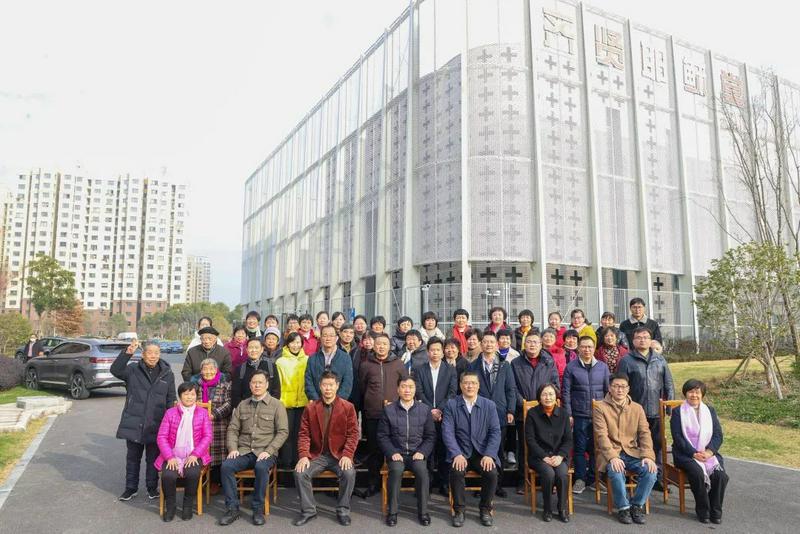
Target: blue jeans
[(583, 441), (645, 482), (231, 466)]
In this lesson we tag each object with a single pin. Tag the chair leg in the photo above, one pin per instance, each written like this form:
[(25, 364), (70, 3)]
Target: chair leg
[(161, 502), (682, 492), (596, 486), (450, 494), (384, 489), (534, 496), (609, 498), (570, 501), (200, 496)]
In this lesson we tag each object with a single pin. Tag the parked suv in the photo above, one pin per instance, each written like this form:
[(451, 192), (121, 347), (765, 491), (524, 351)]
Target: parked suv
[(47, 344), (79, 365)]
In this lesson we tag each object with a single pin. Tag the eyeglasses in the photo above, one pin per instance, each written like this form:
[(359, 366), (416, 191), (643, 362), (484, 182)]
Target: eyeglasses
[(619, 386)]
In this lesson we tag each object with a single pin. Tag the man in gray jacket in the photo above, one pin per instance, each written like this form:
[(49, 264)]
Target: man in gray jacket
[(208, 348)]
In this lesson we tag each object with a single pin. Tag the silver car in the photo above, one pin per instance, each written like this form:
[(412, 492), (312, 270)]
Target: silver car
[(79, 365)]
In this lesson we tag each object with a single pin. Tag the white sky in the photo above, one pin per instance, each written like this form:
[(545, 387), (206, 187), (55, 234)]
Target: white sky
[(201, 92)]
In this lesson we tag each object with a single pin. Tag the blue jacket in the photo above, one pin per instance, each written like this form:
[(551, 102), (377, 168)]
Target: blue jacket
[(682, 450), (582, 384), (649, 378), (402, 431), (341, 364), (464, 432), (504, 392)]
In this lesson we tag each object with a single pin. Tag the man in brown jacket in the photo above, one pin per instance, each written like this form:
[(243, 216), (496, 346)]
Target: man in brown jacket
[(624, 443), (377, 381), (259, 426)]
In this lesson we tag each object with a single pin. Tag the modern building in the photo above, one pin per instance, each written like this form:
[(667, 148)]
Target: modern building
[(122, 238), (198, 279), (531, 154)]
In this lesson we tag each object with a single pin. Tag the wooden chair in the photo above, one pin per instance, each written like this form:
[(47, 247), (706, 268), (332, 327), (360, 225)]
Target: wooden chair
[(530, 473), (407, 475), (327, 475), (630, 478), (203, 483), (250, 474), (670, 472)]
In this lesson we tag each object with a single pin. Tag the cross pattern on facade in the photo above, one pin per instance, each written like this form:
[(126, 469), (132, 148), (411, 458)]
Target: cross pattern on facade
[(510, 112), (485, 75), (658, 284), (485, 56), (488, 275), (485, 94), (513, 275), (510, 93), (557, 276), (569, 68), (558, 298), (602, 77), (659, 301), (570, 104), (576, 277), (570, 122), (508, 55), (551, 62), (648, 91), (618, 82), (509, 74)]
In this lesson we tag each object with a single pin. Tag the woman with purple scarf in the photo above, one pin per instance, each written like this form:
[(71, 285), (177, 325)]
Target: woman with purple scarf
[(215, 387), (696, 439), (183, 440)]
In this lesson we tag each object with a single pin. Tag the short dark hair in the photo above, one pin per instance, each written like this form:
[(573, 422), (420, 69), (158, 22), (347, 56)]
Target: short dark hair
[(237, 328), (305, 317), (347, 326), (205, 318), (500, 309), (577, 310), (253, 313), (321, 313), (544, 386), (291, 337), (328, 374), (694, 383), (601, 334), (253, 339), (429, 315), (292, 317), (469, 373), (336, 315), (329, 325), (271, 316), (552, 313), (434, 340), (469, 332), (449, 341), (487, 333), (187, 386), (636, 300), (619, 376), (639, 330), (525, 313), (505, 332), (571, 332), (259, 372), (608, 315), (460, 311), (405, 378), (378, 335), (404, 319), (549, 330), (414, 333), (378, 319), (584, 338), (362, 317)]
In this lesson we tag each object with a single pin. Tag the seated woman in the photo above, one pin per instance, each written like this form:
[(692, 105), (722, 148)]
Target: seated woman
[(609, 350), (549, 436), (696, 439), (183, 441), (215, 387)]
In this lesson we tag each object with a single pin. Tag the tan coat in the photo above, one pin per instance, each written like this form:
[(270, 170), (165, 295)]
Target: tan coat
[(618, 430), (258, 427)]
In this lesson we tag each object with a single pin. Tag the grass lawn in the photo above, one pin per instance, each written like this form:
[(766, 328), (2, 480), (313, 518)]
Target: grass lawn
[(10, 395), (743, 406), (13, 445)]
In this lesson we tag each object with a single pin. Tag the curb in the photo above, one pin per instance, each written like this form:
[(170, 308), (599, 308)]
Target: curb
[(16, 473)]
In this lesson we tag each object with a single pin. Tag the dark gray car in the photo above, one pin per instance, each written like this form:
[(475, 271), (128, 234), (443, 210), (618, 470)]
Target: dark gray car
[(79, 365)]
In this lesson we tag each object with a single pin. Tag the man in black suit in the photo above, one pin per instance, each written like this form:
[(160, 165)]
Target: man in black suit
[(437, 383), (32, 349)]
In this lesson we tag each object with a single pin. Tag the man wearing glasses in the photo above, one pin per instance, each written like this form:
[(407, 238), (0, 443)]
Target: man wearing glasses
[(329, 357)]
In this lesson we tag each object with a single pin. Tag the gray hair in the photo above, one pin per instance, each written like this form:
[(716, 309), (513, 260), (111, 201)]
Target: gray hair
[(150, 344), (209, 361)]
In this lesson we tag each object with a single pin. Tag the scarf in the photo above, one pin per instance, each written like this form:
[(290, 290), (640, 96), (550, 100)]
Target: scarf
[(612, 358), (533, 360), (503, 353), (462, 340), (253, 332), (209, 384), (184, 440), (697, 429)]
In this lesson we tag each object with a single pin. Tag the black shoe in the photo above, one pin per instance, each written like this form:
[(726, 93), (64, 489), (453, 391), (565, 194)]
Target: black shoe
[(486, 519), (230, 516), (152, 494), (458, 519), (547, 516), (258, 517), (303, 519), (188, 509), (658, 486), (704, 520), (391, 520), (344, 520), (637, 514), (361, 494), (624, 516), (128, 494), (501, 492), (563, 516), (169, 513), (425, 520), (716, 520)]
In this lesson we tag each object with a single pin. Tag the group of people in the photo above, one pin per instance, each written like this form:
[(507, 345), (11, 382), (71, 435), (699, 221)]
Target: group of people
[(327, 395)]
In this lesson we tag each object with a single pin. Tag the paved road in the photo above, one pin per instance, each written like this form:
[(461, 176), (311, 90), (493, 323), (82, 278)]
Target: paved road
[(72, 483)]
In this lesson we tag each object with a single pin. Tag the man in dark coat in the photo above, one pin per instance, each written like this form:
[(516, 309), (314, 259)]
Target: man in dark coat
[(637, 319), (257, 359), (151, 391), (32, 349), (208, 348), (329, 357)]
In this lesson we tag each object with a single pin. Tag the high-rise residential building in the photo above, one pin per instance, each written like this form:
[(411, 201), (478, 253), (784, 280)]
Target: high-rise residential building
[(539, 154), (6, 204), (198, 279), (122, 238)]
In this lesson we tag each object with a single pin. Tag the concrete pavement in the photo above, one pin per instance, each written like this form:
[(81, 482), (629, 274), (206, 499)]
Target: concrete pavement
[(72, 483)]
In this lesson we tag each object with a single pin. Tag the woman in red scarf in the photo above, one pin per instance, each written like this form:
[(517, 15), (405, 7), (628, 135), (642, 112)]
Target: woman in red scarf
[(215, 387), (497, 316), (237, 346), (609, 351)]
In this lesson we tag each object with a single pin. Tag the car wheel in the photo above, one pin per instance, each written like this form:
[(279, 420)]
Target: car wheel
[(32, 379), (77, 387)]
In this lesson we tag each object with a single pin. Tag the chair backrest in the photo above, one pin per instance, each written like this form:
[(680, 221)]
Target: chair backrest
[(662, 414), (527, 405), (207, 406)]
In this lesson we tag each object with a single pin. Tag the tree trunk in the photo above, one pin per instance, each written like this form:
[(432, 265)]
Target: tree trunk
[(771, 376), (788, 308)]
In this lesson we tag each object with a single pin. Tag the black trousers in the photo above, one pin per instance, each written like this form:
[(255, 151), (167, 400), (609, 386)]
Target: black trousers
[(374, 455), (395, 481), (169, 481), (547, 476), (655, 433), (708, 502), (133, 462), (287, 455), (438, 460), (488, 483), (520, 452)]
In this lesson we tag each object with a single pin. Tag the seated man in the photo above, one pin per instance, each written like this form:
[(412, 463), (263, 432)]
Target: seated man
[(624, 443), (406, 436), (256, 432), (327, 440), (471, 433)]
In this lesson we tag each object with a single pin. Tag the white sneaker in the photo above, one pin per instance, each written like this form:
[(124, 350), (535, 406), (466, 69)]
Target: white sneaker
[(578, 486), (511, 458)]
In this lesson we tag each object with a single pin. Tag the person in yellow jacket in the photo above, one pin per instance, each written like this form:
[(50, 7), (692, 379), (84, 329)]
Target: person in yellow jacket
[(291, 367)]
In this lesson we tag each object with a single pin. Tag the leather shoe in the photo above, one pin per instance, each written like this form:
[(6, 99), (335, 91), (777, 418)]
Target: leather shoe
[(486, 519), (458, 519), (230, 516), (258, 517), (500, 492), (547, 516), (563, 516), (716, 520), (425, 520), (303, 519), (344, 520), (391, 520)]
